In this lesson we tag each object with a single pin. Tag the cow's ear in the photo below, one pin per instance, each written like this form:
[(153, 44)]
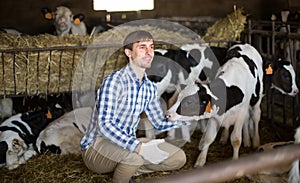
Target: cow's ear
[(78, 18), (47, 13)]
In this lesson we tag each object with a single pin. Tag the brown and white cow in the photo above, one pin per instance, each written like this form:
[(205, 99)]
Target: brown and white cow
[(65, 22)]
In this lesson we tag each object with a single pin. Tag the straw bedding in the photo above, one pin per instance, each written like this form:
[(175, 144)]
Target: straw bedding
[(70, 168)]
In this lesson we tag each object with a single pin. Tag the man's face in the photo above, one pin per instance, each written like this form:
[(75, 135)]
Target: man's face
[(142, 54)]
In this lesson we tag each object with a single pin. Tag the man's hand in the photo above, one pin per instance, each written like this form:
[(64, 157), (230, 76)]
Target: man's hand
[(152, 153)]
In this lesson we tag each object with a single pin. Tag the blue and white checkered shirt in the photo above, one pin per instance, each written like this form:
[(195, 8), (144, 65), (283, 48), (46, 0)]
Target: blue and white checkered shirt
[(120, 101)]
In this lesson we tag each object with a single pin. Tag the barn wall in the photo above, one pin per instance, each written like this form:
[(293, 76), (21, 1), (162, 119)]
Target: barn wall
[(25, 15)]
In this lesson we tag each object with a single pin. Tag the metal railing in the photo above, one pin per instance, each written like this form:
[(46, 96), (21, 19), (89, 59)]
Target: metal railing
[(267, 37)]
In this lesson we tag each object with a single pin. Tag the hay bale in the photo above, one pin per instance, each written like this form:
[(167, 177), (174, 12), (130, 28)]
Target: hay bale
[(45, 64), (227, 29)]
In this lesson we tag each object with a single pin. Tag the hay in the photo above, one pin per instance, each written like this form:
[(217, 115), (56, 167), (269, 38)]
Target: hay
[(227, 29), (38, 71), (46, 64), (70, 168)]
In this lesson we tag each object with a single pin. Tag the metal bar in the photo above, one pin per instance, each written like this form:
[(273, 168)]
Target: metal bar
[(59, 70), (234, 169), (72, 71), (14, 73), (284, 107), (26, 72), (49, 71), (105, 45), (3, 74), (37, 72)]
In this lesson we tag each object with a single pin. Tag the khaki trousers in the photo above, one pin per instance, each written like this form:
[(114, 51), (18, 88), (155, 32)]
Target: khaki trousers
[(104, 157)]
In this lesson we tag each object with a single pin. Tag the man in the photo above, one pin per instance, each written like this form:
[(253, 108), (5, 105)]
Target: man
[(110, 143)]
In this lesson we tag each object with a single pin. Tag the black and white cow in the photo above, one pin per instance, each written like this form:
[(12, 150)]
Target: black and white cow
[(63, 135), (65, 22), (189, 63), (237, 84), (18, 135), (239, 88), (279, 75)]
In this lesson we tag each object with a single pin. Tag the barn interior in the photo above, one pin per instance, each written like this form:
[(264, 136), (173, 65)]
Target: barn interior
[(38, 66)]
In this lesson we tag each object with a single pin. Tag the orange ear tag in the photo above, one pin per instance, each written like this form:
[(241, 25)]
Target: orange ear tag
[(49, 115), (48, 16), (76, 21), (208, 107), (269, 70)]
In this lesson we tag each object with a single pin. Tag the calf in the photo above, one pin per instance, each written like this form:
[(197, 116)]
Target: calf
[(65, 22), (18, 135), (274, 174), (287, 172), (63, 135), (237, 84), (189, 63), (279, 75)]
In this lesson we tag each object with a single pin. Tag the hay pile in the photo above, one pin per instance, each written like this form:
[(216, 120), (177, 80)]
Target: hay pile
[(34, 70), (227, 29), (46, 64)]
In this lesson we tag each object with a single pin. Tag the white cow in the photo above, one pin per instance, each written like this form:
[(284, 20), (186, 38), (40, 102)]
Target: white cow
[(65, 22), (63, 135)]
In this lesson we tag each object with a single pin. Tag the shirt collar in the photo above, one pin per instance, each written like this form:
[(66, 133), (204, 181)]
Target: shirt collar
[(132, 74)]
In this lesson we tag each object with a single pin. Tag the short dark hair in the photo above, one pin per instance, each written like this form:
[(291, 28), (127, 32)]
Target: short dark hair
[(134, 37)]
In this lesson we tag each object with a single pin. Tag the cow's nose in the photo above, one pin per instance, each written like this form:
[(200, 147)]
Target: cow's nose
[(296, 91)]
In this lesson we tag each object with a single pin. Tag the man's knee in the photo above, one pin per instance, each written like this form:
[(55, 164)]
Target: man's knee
[(180, 157)]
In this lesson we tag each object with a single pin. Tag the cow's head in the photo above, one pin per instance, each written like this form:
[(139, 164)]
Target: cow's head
[(283, 77), (10, 152), (63, 19), (38, 120)]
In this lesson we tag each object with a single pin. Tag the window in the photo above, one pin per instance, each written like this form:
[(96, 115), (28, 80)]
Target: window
[(123, 5)]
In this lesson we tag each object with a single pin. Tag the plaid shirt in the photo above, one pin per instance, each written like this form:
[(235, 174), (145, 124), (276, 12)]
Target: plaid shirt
[(120, 101)]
